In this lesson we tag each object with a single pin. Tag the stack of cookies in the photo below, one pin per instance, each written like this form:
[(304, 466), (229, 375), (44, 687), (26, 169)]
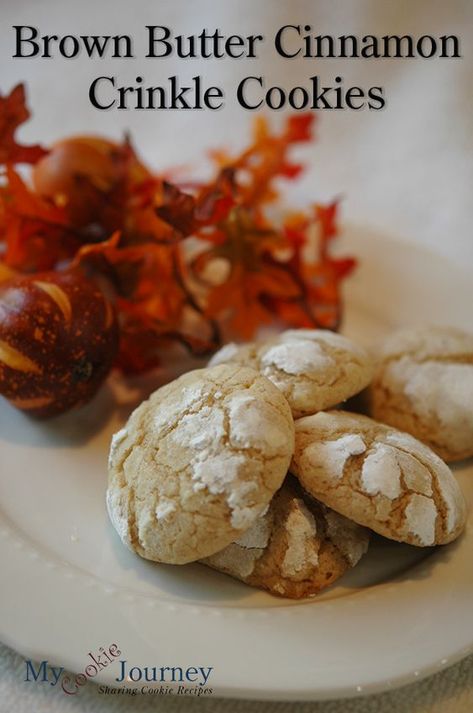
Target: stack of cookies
[(250, 467)]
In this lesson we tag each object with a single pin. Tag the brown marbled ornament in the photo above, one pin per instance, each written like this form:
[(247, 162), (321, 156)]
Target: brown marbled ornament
[(58, 341)]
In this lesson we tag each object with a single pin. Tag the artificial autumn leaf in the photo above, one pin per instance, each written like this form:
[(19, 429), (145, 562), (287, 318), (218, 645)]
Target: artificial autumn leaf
[(152, 299), (238, 303), (259, 287), (13, 113), (188, 214), (177, 209), (266, 159), (239, 240), (36, 234), (319, 278), (342, 267), (135, 272), (6, 273), (300, 127), (23, 201), (151, 244), (143, 338), (326, 215), (254, 278)]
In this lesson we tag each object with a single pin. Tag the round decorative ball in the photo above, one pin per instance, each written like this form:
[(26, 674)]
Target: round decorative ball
[(58, 341)]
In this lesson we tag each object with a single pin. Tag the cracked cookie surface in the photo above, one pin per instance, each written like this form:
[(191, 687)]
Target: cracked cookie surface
[(315, 369), (198, 462), (296, 549), (379, 477), (424, 385)]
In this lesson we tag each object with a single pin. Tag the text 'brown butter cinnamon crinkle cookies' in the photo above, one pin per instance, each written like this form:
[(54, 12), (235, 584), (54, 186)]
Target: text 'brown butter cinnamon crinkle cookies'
[(314, 368), (424, 385), (198, 462), (296, 549), (379, 477)]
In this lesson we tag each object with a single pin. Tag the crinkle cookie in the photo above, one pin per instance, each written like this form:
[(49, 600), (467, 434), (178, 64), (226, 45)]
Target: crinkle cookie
[(314, 368), (198, 462), (379, 477), (296, 549), (424, 385)]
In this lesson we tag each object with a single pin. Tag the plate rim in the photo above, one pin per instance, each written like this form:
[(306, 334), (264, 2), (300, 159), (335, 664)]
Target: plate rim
[(19, 554)]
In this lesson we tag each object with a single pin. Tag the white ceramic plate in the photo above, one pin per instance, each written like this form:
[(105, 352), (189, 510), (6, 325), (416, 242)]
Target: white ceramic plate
[(69, 586)]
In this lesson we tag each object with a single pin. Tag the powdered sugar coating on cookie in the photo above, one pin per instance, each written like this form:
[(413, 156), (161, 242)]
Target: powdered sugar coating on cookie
[(198, 463), (381, 472), (346, 536), (240, 557), (337, 452), (445, 482), (297, 356), (424, 385), (302, 546), (297, 549), (421, 516), (119, 514), (397, 486), (251, 424), (314, 368), (164, 509), (117, 438)]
